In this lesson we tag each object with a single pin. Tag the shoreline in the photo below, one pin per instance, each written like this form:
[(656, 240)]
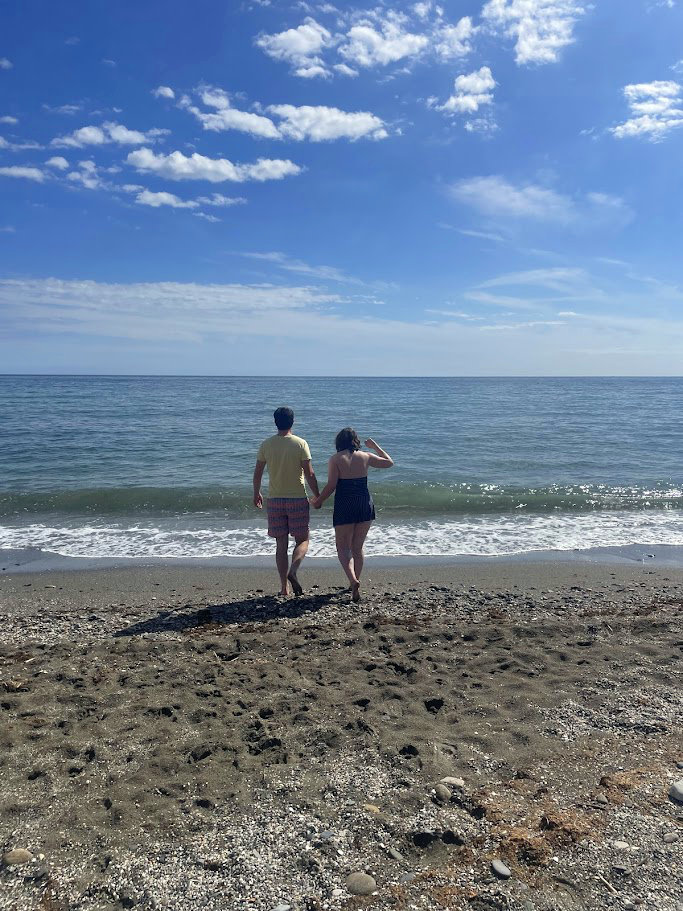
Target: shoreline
[(646, 556)]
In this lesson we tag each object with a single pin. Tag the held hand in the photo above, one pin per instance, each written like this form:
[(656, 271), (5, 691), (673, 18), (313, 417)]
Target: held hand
[(258, 501), (315, 502)]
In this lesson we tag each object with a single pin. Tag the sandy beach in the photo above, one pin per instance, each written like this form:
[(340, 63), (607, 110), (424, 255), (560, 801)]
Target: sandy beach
[(178, 738)]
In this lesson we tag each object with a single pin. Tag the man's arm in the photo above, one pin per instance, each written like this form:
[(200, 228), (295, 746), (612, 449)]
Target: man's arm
[(258, 475), (332, 478), (311, 479)]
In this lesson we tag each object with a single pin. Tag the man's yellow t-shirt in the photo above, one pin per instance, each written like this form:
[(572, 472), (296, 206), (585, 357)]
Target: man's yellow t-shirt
[(283, 456)]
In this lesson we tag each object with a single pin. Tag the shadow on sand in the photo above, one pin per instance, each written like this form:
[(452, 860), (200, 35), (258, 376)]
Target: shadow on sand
[(249, 610)]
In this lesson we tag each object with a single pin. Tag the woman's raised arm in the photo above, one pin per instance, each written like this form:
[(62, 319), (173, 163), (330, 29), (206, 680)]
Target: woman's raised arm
[(382, 459)]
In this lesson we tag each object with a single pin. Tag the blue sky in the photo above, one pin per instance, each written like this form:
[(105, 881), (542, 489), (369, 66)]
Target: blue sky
[(488, 187)]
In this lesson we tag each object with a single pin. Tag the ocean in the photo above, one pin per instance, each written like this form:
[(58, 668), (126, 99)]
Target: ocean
[(160, 467)]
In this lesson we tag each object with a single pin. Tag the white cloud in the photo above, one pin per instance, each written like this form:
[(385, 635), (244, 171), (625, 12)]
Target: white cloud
[(472, 91), (5, 64), (148, 198), (7, 229), (320, 123), (344, 69), (8, 119), (87, 176), (108, 62), (451, 41), (205, 215), (541, 28), (656, 109), (57, 162), (163, 91), (314, 122), (368, 46), (27, 173), (301, 47), (177, 166), (227, 117), (108, 132)]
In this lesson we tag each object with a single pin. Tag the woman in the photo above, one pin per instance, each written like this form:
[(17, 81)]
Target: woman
[(354, 511)]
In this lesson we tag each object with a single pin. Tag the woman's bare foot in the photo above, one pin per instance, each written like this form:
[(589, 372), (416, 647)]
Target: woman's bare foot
[(355, 592), (296, 587)]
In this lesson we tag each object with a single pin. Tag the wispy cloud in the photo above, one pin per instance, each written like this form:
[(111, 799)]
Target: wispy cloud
[(282, 261), (495, 196), (5, 64)]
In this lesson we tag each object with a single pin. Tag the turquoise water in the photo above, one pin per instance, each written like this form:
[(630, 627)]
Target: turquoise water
[(161, 466)]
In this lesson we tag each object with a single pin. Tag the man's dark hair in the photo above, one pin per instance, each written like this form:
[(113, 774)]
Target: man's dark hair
[(284, 418), (347, 439)]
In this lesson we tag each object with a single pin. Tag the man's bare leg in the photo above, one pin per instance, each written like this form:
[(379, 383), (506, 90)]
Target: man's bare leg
[(282, 561), (300, 551)]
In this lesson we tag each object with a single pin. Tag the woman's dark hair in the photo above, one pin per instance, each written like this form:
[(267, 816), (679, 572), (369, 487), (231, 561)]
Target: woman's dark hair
[(284, 418), (347, 439)]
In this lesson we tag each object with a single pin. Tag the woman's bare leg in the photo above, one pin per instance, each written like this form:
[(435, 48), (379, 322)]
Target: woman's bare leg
[(343, 535), (360, 533)]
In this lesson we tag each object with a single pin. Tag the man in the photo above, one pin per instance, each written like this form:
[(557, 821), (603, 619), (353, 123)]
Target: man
[(289, 460)]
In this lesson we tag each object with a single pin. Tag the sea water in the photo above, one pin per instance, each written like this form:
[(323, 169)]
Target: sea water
[(160, 467)]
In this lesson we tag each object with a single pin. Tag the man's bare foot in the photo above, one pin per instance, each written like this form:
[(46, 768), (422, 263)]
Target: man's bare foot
[(296, 588), (355, 592)]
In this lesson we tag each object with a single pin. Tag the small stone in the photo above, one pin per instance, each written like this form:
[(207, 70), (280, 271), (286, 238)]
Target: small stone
[(676, 791), (360, 884), (392, 852), (501, 871), (406, 877), (670, 837), (679, 765), (621, 845), (628, 905), (443, 794), (601, 799), (371, 808), (282, 907), (453, 782), (16, 856), (336, 893)]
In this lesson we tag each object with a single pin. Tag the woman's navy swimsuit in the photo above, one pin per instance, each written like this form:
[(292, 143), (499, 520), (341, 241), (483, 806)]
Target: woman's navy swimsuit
[(352, 502)]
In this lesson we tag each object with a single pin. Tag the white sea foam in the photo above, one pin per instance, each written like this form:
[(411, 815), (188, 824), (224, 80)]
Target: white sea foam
[(466, 536)]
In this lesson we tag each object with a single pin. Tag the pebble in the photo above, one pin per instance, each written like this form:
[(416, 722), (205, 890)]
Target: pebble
[(676, 791), (601, 799), (629, 905), (453, 782), (670, 837), (501, 871), (360, 884), (16, 856), (282, 908), (406, 877), (443, 794), (621, 845), (679, 765), (371, 808), (392, 852)]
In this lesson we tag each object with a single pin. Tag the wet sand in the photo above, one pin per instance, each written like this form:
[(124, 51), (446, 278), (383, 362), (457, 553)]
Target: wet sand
[(180, 738)]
